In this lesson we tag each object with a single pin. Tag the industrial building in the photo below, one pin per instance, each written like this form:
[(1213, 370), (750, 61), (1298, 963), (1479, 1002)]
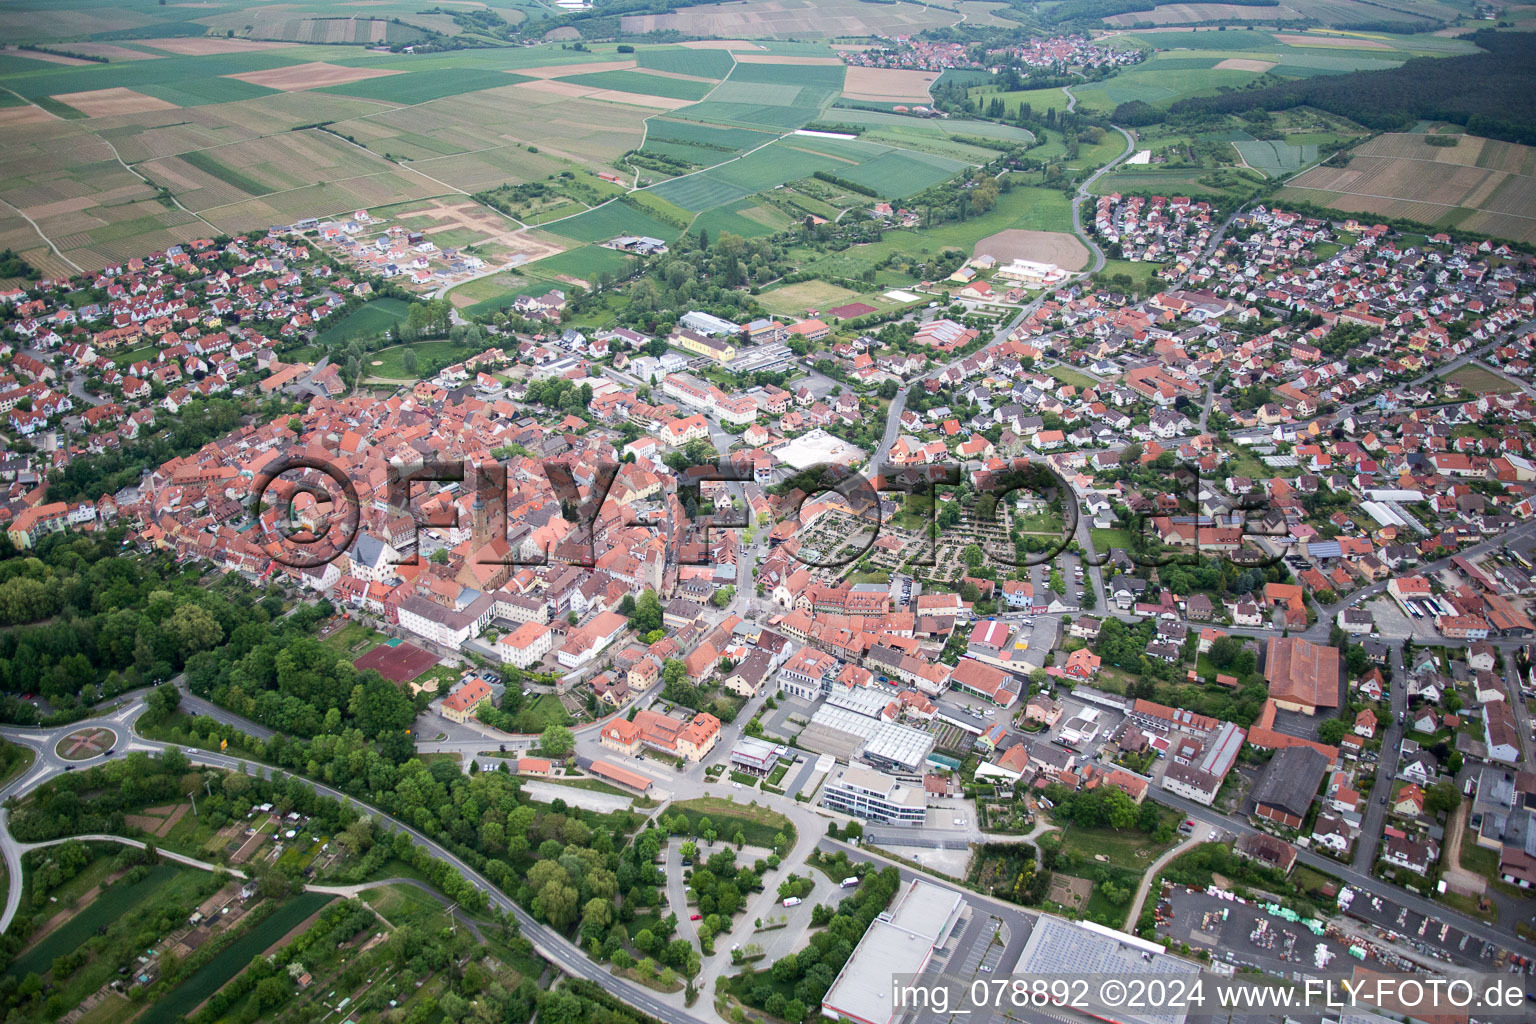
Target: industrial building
[(898, 944), (867, 794), (1062, 948)]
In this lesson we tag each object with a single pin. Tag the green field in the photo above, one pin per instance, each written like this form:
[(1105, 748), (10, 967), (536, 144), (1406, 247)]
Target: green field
[(653, 85), (1039, 100), (1276, 158), (720, 137), (681, 61), (431, 356), (609, 221), (585, 262), (1182, 181), (114, 902), (1142, 275), (232, 960), (189, 81), (422, 86), (745, 217), (1158, 85), (1023, 206), (758, 824), (782, 96), (371, 318)]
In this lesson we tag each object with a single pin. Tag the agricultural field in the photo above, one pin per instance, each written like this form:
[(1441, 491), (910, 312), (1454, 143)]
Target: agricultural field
[(888, 85), (1480, 381), (1039, 100), (700, 143), (1059, 247), (1276, 158), (1023, 207), (748, 218), (1477, 185), (780, 96), (1164, 79), (1188, 14), (228, 185), (212, 122), (799, 19), (112, 903)]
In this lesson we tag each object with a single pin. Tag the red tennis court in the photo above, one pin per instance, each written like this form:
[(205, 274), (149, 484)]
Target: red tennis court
[(399, 664)]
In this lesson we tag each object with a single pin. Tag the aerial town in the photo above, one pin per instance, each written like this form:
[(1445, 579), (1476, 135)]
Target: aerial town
[(413, 612)]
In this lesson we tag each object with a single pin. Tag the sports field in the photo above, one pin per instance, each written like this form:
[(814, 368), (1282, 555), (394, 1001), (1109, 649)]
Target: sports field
[(399, 664)]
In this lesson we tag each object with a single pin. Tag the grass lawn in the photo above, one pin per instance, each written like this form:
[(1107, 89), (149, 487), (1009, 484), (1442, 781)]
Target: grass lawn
[(1481, 382), (1103, 540), (370, 319), (431, 356), (757, 824), (1130, 849), (354, 640), (549, 709), (1027, 207), (1143, 275), (795, 299), (114, 1009), (593, 785), (1069, 376), (406, 904), (134, 355), (1470, 906)]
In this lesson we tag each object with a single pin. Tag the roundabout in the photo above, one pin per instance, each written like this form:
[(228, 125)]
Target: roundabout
[(84, 744)]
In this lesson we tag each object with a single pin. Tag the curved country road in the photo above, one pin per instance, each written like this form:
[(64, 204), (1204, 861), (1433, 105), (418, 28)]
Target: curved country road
[(548, 943)]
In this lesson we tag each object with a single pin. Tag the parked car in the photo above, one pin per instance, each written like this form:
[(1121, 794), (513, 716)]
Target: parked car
[(695, 917)]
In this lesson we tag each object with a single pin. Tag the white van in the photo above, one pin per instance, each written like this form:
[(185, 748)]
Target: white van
[(793, 901)]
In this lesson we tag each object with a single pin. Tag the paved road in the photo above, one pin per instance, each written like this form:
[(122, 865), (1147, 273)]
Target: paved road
[(548, 943), (1499, 935), (1386, 767), (1202, 833), (192, 704), (1083, 195)]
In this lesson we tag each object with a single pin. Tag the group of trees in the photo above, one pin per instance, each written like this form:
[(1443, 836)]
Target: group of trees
[(1105, 807), (114, 620), (812, 970), (194, 425), (1492, 93)]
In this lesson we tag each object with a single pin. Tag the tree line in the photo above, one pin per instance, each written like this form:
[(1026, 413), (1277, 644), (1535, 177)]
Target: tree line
[(1493, 93)]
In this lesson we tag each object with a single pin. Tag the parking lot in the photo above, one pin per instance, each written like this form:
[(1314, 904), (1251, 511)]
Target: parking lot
[(1422, 933), (1249, 936), (777, 724), (1071, 707)]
